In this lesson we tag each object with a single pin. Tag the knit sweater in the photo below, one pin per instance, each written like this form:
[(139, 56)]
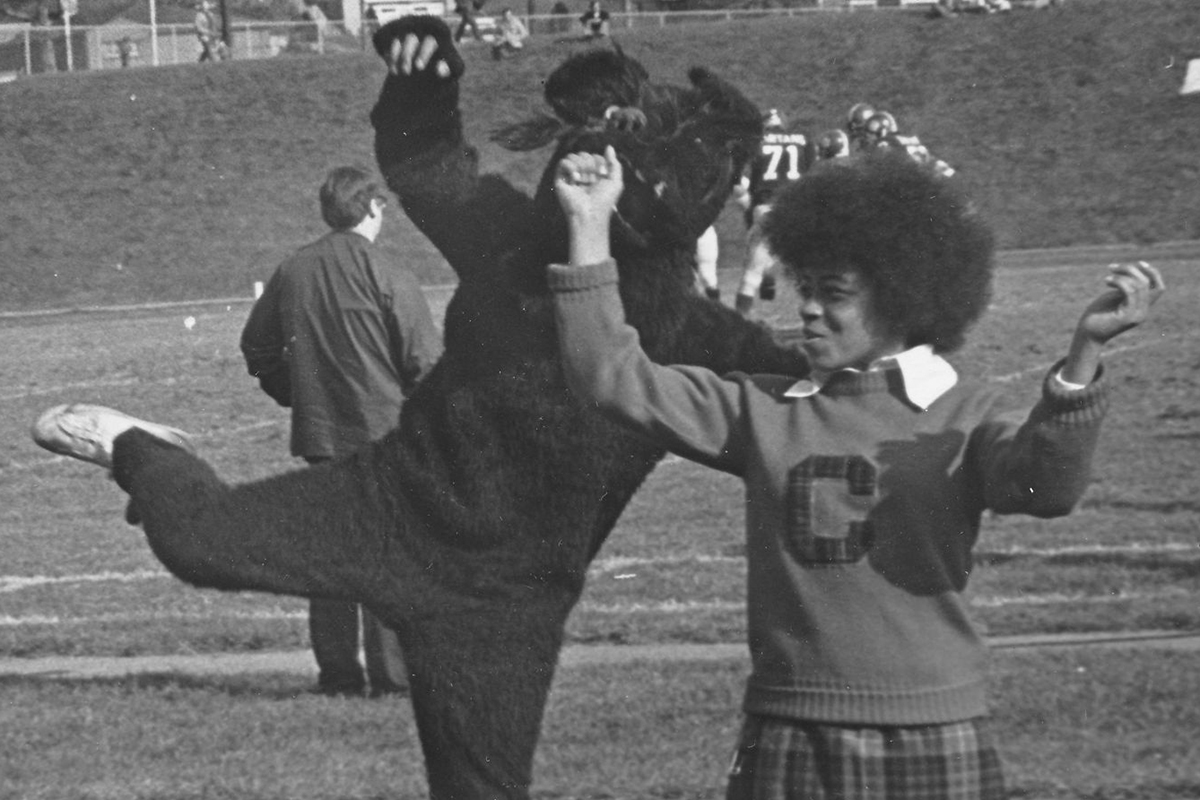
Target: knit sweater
[(862, 507)]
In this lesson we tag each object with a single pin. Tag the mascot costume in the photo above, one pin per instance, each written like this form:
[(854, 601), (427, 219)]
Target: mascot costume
[(469, 528)]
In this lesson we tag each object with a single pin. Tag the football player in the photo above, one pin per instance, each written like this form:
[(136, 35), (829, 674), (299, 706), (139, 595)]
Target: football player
[(833, 144), (879, 127), (856, 124), (885, 132), (784, 156)]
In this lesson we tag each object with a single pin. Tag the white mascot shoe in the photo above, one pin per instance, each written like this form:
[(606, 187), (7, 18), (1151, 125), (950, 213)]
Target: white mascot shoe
[(87, 432)]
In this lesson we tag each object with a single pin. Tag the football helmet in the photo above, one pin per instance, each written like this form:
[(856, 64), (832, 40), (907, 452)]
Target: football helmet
[(880, 126), (833, 144), (856, 120), (773, 120)]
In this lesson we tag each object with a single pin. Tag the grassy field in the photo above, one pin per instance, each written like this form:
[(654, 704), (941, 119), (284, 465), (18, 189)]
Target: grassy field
[(1076, 725), (76, 579), (184, 183), (181, 183)]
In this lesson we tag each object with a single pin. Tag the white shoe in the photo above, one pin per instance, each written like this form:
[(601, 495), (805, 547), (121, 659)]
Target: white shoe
[(87, 432)]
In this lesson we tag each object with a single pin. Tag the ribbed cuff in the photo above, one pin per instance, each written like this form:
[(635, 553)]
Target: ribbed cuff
[(563, 278), (1075, 406)]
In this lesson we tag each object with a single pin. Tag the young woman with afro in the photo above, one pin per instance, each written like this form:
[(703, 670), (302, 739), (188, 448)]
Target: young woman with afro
[(866, 482)]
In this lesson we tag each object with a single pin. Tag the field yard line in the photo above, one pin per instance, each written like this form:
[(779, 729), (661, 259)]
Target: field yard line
[(573, 655), (1041, 368), (1133, 548), (8, 621), (171, 380), (63, 387), (999, 601), (165, 305), (635, 607), (1162, 250), (619, 564), (1060, 598), (13, 583), (216, 433)]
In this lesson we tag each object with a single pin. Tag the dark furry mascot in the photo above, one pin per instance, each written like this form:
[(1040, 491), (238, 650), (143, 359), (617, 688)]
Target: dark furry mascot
[(470, 527)]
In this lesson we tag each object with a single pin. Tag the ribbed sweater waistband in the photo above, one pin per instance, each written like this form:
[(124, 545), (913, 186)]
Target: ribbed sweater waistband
[(868, 705)]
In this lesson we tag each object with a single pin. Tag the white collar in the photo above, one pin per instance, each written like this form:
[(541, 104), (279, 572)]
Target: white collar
[(926, 376)]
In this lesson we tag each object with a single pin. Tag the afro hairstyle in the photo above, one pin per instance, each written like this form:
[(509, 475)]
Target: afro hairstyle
[(913, 238)]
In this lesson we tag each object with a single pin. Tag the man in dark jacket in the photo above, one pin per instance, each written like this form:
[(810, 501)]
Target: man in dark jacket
[(341, 336)]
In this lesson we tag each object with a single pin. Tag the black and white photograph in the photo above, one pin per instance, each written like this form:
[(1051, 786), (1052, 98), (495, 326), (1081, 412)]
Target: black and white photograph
[(599, 400)]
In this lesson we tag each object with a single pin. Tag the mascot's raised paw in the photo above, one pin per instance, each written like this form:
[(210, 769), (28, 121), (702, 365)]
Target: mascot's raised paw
[(419, 46)]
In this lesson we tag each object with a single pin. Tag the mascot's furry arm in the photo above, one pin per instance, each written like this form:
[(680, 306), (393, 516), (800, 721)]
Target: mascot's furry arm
[(425, 160)]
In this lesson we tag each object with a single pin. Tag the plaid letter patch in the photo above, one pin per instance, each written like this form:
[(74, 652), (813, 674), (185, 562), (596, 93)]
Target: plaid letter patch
[(829, 498)]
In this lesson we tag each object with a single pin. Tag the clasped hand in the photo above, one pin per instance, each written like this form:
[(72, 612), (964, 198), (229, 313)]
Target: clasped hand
[(588, 185), (1133, 289)]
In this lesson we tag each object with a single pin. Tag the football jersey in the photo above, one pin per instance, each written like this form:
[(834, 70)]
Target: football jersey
[(782, 158), (918, 152)]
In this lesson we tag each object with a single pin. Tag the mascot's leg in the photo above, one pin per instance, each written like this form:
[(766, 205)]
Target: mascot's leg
[(316, 532), (481, 650), (708, 248), (757, 280), (323, 531), (480, 677)]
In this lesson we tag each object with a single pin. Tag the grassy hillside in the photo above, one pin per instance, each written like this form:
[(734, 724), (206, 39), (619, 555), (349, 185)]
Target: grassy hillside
[(189, 181)]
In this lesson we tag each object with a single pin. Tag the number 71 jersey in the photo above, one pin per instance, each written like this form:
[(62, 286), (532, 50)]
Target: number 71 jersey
[(782, 158)]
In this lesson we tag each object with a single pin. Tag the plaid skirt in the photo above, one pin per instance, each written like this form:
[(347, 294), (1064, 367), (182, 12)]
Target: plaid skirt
[(782, 759)]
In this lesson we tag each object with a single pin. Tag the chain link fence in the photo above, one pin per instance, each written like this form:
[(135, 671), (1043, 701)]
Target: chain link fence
[(31, 50)]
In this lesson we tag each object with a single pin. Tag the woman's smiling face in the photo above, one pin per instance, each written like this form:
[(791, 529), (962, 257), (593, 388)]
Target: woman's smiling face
[(841, 329)]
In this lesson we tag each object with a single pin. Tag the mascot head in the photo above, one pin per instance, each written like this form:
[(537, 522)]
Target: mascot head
[(682, 148)]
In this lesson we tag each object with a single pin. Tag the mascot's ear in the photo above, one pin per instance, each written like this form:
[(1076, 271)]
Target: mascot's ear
[(727, 107), (530, 134)]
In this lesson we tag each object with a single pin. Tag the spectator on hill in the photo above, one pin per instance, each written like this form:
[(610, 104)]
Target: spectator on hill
[(866, 481), (126, 50), (371, 19), (208, 33), (562, 12), (466, 10), (313, 13), (341, 335), (595, 21), (946, 8), (512, 35)]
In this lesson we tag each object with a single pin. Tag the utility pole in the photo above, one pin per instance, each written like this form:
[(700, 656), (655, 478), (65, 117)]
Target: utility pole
[(154, 32), (69, 8)]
